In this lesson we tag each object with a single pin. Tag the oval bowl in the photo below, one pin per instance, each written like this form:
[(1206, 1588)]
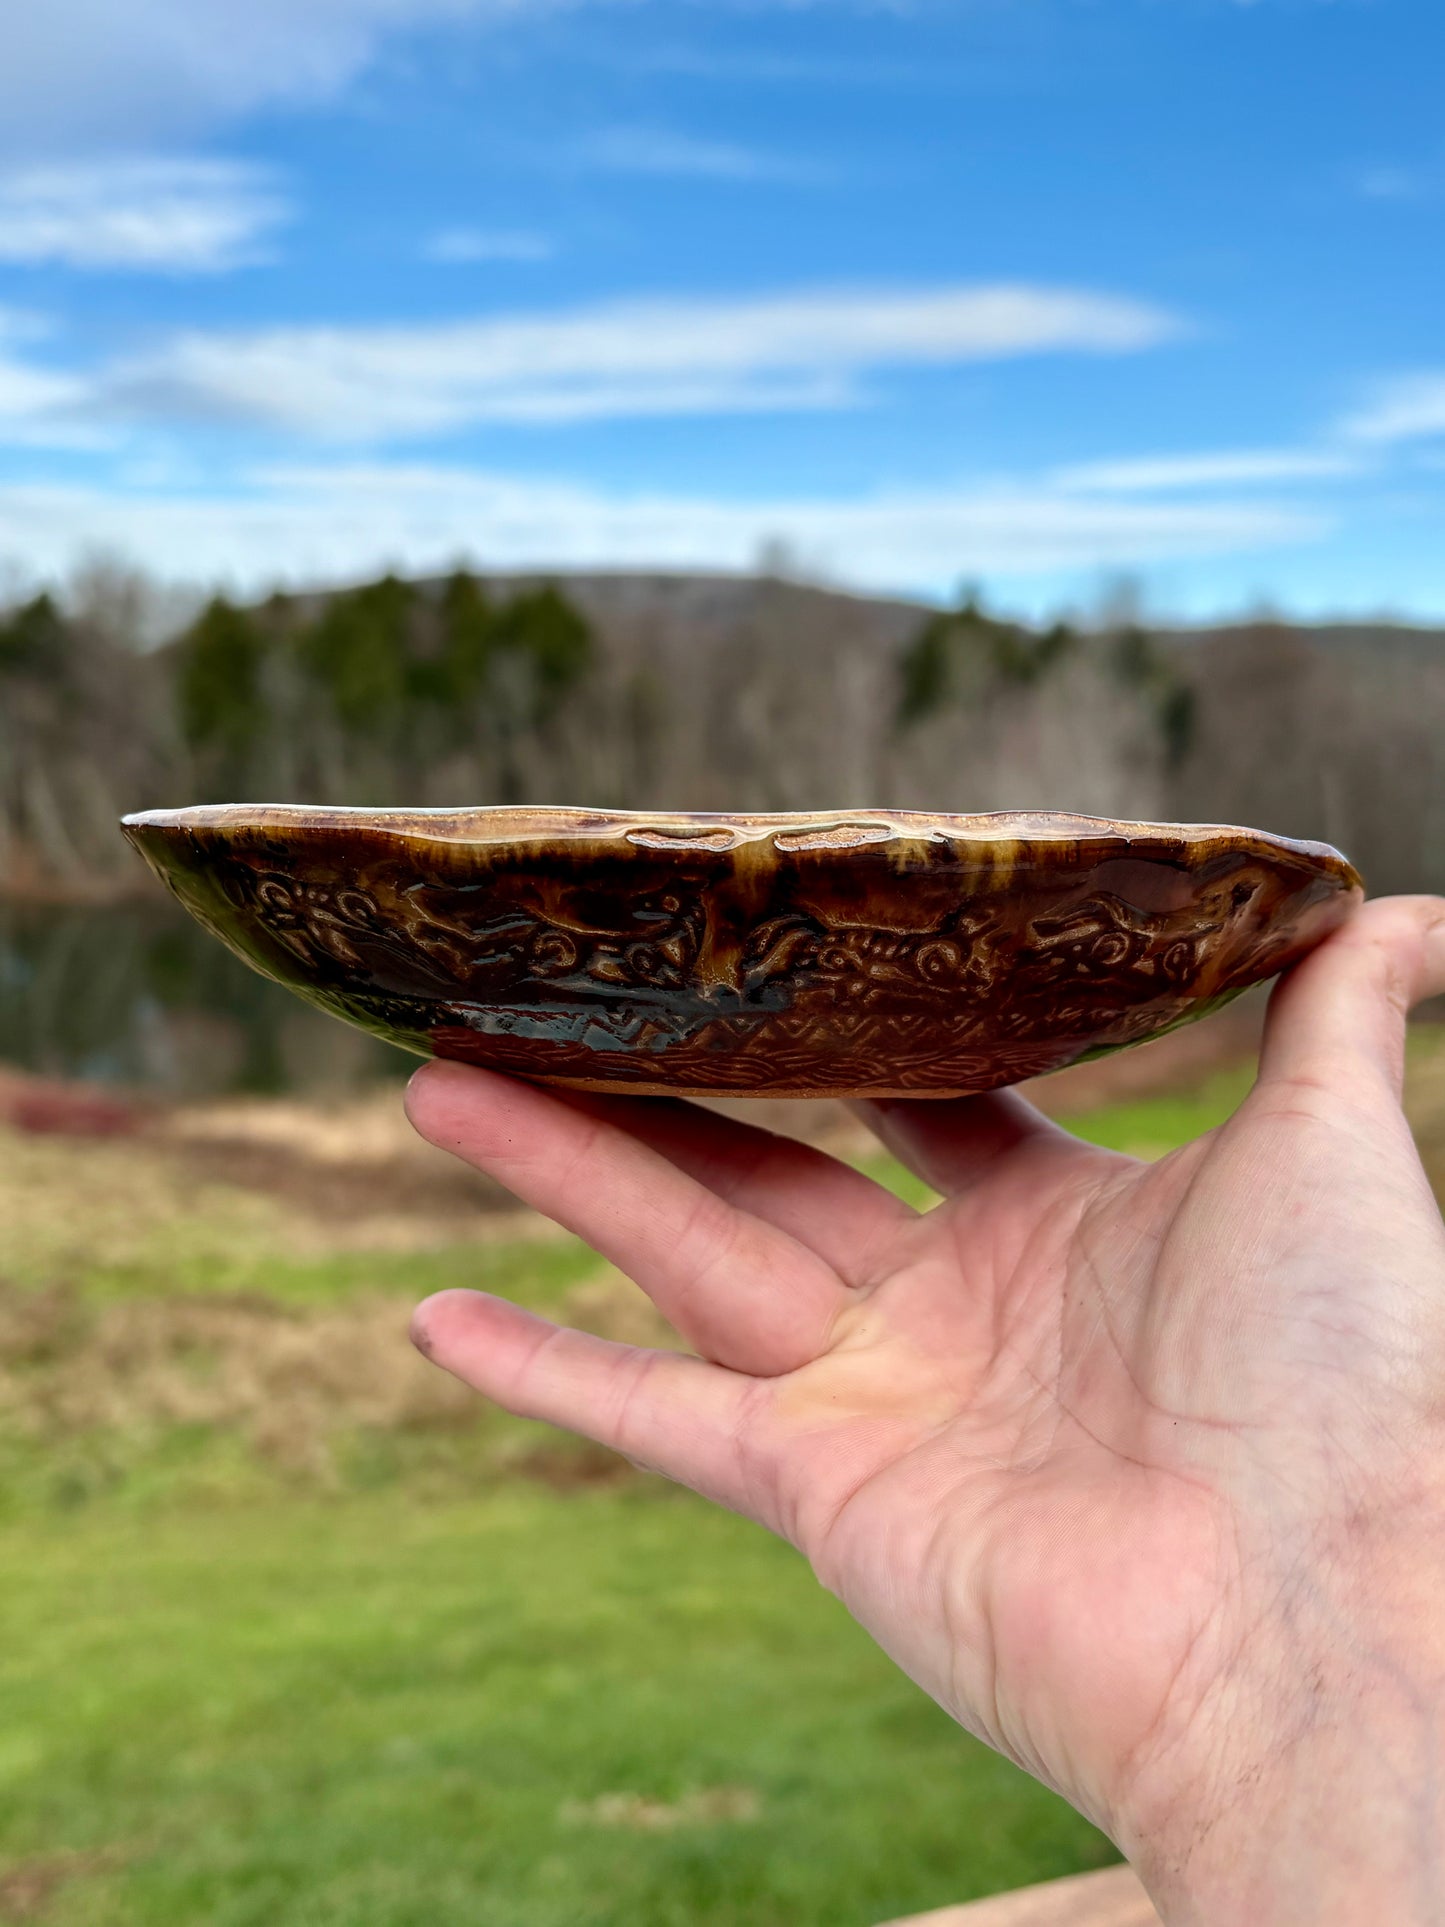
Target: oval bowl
[(859, 953)]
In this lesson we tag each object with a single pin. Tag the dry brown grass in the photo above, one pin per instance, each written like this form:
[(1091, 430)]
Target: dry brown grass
[(227, 1184), (1425, 1100), (285, 1379), (151, 1204), (340, 1161), (287, 1382)]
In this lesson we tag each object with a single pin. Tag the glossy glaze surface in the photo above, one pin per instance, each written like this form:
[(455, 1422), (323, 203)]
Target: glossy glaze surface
[(852, 953)]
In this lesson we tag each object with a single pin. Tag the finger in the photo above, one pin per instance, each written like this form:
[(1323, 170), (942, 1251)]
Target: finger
[(1337, 1020), (847, 1218), (741, 1291), (955, 1143), (673, 1414)]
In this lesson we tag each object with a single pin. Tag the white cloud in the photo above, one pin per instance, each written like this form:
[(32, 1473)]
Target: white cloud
[(336, 522), (33, 396), (1405, 408), (802, 350), (461, 245), (1222, 468), (28, 394), (81, 75), (651, 150), (179, 215)]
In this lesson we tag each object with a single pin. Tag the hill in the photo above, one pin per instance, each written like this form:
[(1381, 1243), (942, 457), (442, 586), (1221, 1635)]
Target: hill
[(709, 692)]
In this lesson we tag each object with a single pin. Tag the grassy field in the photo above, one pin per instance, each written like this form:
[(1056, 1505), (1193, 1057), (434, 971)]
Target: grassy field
[(293, 1631), (528, 1709)]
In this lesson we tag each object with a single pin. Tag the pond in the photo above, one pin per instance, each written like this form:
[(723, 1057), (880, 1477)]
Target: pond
[(138, 995)]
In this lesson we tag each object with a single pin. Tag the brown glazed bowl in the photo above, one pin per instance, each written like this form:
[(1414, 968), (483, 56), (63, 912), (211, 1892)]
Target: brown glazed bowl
[(849, 953)]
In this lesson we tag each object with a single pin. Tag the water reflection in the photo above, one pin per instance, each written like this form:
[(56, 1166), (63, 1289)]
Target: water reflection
[(140, 995)]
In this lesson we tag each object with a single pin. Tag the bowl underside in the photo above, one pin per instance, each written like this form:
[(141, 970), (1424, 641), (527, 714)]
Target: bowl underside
[(851, 954)]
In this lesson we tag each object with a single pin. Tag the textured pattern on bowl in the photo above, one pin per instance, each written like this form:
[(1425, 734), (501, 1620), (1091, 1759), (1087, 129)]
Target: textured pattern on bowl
[(850, 953)]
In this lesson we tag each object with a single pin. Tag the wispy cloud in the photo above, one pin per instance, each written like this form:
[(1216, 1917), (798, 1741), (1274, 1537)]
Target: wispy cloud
[(27, 394), (177, 215), (652, 150), (808, 349), (81, 74), (1401, 409), (461, 245), (35, 399), (1220, 468), (1396, 183), (309, 524)]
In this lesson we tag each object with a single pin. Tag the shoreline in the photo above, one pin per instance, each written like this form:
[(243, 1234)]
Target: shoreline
[(85, 893)]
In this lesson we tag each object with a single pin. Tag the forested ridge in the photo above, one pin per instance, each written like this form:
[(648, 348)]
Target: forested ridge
[(695, 692)]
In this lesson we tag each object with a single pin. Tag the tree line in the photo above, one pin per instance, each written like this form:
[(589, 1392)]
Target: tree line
[(703, 693)]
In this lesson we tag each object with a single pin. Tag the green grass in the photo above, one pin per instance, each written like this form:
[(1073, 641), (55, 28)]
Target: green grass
[(376, 1714), (533, 1271), (1148, 1127)]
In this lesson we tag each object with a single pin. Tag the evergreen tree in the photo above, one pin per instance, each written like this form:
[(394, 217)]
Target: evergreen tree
[(219, 685), (469, 626), (358, 652), (542, 629), (33, 641)]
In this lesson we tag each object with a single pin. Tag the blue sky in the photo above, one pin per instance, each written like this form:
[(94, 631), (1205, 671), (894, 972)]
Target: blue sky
[(1032, 293)]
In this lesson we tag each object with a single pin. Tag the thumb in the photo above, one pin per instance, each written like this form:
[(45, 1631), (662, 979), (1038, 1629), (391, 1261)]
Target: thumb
[(1337, 1020)]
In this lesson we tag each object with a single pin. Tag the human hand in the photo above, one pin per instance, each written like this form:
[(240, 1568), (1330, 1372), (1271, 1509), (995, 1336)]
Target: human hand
[(1138, 1469)]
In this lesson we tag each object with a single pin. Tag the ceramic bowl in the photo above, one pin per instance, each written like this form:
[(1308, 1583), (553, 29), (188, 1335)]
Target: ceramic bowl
[(855, 953)]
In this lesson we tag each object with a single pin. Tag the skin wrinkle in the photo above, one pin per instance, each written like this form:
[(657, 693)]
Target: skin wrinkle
[(1343, 1636), (817, 1545), (594, 1137), (708, 1223), (1153, 1406), (1189, 1723), (526, 1367), (759, 1472), (733, 1234), (643, 1366), (1287, 1113), (1041, 1232), (1292, 1585), (976, 1639)]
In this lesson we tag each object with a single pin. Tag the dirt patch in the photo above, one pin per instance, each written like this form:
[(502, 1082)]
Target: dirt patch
[(27, 1887), (55, 1107), (335, 1161), (566, 1464), (634, 1813)]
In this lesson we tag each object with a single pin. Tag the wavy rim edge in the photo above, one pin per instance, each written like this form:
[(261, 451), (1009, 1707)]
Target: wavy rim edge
[(521, 823)]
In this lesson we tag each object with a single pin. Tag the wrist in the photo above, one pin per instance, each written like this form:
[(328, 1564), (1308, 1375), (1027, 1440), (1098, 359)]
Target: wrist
[(1340, 1828), (1308, 1784)]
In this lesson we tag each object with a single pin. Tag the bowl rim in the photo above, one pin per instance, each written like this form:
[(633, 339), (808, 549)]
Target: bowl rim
[(519, 826)]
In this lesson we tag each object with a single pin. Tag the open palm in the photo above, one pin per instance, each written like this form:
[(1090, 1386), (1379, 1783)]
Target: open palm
[(1095, 1448)]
